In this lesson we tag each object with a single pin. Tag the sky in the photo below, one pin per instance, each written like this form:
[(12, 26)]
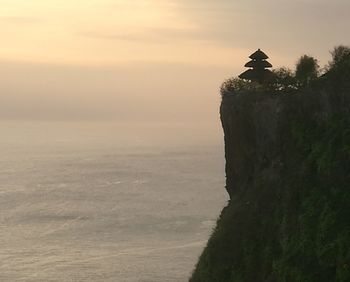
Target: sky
[(148, 60)]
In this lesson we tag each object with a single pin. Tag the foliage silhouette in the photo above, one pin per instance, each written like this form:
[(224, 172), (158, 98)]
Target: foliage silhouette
[(307, 70)]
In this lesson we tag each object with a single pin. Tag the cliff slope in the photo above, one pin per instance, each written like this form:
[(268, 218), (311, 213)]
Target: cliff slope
[(288, 176)]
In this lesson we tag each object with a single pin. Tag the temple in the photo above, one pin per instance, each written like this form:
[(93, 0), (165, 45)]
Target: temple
[(258, 67)]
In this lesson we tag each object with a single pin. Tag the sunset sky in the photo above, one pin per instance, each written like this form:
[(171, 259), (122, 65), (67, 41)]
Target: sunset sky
[(148, 59)]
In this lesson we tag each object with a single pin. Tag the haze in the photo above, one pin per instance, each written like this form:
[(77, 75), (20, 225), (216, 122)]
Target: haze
[(148, 60)]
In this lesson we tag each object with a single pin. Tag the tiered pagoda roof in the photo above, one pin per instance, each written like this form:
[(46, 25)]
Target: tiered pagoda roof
[(258, 67)]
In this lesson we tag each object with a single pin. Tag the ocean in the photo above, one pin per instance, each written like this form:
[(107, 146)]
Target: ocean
[(107, 201)]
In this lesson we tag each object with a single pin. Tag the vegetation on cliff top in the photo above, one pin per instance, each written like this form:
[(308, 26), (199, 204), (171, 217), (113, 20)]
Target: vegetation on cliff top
[(291, 221), (307, 72)]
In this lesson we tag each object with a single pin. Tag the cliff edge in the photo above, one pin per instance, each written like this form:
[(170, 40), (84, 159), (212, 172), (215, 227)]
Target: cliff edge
[(288, 176)]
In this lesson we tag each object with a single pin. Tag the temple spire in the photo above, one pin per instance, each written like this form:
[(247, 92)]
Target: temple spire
[(258, 67)]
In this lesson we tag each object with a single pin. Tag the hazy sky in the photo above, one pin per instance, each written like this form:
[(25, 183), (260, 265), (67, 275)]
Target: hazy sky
[(148, 59)]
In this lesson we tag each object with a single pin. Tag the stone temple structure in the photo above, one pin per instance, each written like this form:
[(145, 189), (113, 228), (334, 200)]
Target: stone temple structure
[(258, 67)]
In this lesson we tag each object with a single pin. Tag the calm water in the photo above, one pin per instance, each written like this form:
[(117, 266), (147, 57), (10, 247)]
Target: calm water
[(107, 202)]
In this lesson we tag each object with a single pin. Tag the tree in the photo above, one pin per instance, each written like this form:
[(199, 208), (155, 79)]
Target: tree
[(307, 70), (338, 72), (340, 55)]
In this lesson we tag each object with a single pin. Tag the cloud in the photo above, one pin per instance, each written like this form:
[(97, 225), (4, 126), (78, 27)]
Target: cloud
[(150, 35), (180, 20)]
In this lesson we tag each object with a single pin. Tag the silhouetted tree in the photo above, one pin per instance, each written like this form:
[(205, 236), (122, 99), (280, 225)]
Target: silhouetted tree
[(338, 77), (340, 55), (307, 70)]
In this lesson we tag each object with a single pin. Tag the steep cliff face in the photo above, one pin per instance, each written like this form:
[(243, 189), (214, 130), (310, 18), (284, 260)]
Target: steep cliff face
[(251, 126), (288, 176)]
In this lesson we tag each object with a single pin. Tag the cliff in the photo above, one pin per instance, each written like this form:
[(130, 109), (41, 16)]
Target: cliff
[(288, 176)]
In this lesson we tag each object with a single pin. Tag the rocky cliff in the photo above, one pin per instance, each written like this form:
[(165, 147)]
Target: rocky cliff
[(288, 176)]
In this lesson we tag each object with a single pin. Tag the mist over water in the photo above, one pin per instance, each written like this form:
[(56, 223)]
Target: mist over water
[(107, 201)]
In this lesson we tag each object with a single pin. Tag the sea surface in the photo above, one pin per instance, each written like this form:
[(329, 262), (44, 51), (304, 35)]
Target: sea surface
[(107, 201)]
